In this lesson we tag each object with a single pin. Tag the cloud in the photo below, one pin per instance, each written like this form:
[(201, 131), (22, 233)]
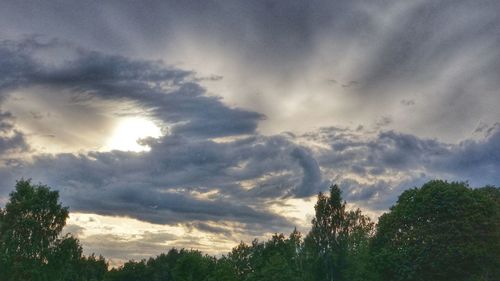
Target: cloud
[(237, 175), (311, 181), (168, 94), (205, 227), (375, 167), (11, 139), (176, 180), (190, 174), (276, 59)]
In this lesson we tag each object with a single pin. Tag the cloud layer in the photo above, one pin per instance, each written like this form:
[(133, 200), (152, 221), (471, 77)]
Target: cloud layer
[(161, 186)]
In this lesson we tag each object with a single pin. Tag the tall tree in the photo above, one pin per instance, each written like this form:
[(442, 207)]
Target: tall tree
[(441, 231), (333, 245), (30, 224), (325, 244), (65, 260), (93, 268), (276, 259), (241, 257)]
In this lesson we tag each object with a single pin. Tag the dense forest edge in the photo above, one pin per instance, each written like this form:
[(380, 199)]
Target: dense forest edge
[(439, 231)]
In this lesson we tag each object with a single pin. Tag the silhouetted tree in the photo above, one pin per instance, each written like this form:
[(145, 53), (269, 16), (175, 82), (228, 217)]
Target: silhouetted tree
[(193, 266), (93, 268), (65, 261), (336, 246), (442, 231), (224, 270), (240, 257), (30, 225)]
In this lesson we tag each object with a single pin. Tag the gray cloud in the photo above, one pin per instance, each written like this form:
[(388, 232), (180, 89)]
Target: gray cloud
[(212, 229), (311, 181), (11, 139), (159, 186), (166, 93), (440, 55), (393, 161)]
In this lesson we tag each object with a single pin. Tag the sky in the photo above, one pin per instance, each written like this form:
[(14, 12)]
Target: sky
[(200, 124)]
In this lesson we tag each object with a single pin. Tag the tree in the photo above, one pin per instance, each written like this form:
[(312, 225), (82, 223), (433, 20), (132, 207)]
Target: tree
[(64, 263), (29, 227), (193, 266), (93, 268), (161, 267), (336, 246), (240, 257), (224, 271), (360, 230), (441, 231), (130, 271), (277, 259)]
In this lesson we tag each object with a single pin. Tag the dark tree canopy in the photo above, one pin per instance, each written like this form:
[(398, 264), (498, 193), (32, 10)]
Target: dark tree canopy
[(31, 222), (31, 248), (441, 231), (337, 244)]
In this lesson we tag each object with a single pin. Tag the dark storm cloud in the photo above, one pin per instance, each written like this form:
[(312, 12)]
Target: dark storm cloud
[(388, 149), (157, 186), (477, 160), (165, 184), (161, 186), (311, 181), (406, 160), (172, 182), (166, 93), (440, 55)]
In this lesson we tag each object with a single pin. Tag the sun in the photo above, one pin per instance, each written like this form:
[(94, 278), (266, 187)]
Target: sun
[(129, 130)]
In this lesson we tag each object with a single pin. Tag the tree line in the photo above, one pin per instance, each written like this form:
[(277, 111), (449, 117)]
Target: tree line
[(440, 231)]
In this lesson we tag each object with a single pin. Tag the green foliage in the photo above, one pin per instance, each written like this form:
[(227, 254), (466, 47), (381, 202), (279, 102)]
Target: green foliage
[(241, 259), (160, 268), (31, 223), (336, 248), (130, 271), (276, 259), (31, 248), (224, 270), (93, 268), (65, 261), (442, 231), (176, 265), (193, 266)]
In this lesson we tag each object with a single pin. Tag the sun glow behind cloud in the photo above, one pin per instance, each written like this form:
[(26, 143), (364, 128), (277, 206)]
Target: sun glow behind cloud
[(129, 131)]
